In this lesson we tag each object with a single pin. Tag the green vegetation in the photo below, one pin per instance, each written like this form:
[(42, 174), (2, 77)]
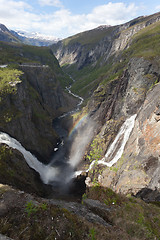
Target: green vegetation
[(89, 38), (17, 54), (105, 195), (92, 234), (118, 164), (146, 43), (8, 80), (137, 218), (31, 221), (95, 154), (84, 196), (5, 154), (96, 149), (31, 208)]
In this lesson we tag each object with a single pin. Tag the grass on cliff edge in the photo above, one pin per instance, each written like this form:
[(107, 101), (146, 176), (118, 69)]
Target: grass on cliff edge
[(146, 43), (12, 53), (8, 80), (138, 219), (29, 217)]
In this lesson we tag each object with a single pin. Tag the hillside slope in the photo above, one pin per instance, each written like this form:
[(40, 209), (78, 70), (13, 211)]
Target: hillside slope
[(129, 85), (86, 55), (6, 35)]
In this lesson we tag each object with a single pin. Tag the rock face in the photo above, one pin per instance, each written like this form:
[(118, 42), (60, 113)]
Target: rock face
[(141, 163), (6, 35), (124, 94), (134, 92), (128, 85), (81, 51), (88, 55), (37, 101), (15, 172)]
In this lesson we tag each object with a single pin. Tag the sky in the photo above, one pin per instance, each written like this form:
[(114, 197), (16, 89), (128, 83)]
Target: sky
[(64, 18)]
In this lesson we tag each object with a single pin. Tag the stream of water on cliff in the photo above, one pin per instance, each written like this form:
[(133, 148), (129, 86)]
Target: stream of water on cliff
[(116, 149)]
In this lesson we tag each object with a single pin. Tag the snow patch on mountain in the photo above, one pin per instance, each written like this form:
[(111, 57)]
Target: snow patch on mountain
[(36, 35)]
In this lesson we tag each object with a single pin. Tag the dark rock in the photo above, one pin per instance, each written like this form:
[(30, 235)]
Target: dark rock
[(16, 172), (149, 195)]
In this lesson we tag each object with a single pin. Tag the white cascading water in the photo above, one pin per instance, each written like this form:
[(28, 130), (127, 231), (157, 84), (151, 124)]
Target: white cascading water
[(123, 136), (116, 149), (47, 173)]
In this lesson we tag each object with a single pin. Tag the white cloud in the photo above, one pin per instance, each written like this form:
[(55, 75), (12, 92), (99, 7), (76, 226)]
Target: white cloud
[(62, 23), (17, 14), (54, 3), (157, 8)]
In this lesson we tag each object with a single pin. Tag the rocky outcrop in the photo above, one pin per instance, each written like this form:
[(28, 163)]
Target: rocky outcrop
[(24, 216), (16, 172), (140, 167), (134, 92)]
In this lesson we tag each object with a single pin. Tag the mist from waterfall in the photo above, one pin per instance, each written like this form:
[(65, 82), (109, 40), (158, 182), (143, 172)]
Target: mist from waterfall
[(116, 149), (46, 172), (60, 170)]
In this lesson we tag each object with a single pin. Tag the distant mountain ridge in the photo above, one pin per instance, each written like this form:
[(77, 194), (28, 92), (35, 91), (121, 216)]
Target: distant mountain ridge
[(20, 36), (34, 38), (6, 35)]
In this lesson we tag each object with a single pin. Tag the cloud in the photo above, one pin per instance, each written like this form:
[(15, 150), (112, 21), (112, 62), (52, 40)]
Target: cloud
[(108, 14), (17, 14), (54, 3), (62, 23), (157, 8)]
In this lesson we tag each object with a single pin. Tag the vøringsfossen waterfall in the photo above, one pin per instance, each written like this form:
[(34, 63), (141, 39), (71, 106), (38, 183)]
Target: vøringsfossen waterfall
[(60, 170), (46, 172)]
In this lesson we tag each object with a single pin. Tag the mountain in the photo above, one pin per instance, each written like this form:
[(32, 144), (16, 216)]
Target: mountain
[(34, 39), (7, 36), (115, 189), (86, 55), (117, 70)]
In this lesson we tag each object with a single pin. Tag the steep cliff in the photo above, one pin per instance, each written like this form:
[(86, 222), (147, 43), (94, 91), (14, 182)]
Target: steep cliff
[(129, 86), (7, 36), (28, 111), (31, 97), (85, 55)]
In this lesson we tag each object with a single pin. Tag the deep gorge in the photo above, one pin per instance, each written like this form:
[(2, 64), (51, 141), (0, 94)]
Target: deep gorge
[(91, 144)]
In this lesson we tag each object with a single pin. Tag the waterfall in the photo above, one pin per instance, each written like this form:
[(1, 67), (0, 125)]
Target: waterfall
[(116, 149), (47, 173), (118, 145)]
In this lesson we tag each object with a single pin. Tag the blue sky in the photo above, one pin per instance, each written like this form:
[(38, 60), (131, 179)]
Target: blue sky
[(63, 18)]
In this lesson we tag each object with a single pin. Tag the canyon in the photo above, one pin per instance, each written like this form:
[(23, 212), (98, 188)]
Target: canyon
[(89, 127)]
